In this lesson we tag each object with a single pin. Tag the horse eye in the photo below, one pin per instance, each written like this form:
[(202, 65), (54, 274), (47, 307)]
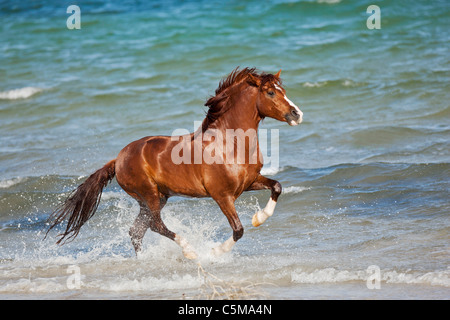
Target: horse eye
[(271, 93)]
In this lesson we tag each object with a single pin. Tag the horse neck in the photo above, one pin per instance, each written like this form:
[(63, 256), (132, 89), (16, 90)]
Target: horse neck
[(242, 113)]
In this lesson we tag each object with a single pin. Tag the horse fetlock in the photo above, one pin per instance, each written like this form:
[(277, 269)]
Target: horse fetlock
[(238, 233), (277, 188), (137, 244), (259, 218)]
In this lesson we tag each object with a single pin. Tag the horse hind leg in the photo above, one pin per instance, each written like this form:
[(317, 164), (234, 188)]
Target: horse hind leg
[(150, 217), (139, 227), (142, 222), (157, 225)]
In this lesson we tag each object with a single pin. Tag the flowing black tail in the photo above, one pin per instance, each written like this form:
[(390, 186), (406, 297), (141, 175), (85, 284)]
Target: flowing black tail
[(81, 205)]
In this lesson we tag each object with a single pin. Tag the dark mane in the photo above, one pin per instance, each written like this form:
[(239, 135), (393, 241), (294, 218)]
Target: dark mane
[(216, 104), (234, 77)]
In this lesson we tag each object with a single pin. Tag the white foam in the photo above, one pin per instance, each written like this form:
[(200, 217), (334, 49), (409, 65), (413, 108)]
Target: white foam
[(270, 171), (4, 184), (329, 1), (295, 189), (150, 283), (109, 195), (22, 93), (332, 275), (28, 285), (327, 275), (436, 278), (314, 84), (348, 83)]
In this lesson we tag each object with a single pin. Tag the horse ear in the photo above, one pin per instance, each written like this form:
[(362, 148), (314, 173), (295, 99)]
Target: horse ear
[(278, 74), (254, 81)]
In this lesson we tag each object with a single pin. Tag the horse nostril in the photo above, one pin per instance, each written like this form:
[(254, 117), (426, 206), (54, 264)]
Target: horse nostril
[(295, 113)]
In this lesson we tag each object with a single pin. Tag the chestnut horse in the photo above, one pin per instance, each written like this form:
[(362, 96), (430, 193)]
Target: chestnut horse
[(146, 169)]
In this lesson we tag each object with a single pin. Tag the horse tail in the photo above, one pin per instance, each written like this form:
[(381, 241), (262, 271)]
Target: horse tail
[(82, 203)]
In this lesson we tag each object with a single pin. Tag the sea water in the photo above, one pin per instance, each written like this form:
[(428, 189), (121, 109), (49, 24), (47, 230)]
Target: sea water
[(365, 206)]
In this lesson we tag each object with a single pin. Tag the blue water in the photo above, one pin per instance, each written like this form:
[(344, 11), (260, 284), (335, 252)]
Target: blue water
[(365, 176)]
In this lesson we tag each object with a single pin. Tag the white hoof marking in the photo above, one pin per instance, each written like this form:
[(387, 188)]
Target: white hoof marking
[(224, 247), (188, 251), (261, 216)]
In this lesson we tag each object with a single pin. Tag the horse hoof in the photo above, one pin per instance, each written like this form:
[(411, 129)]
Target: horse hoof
[(224, 247), (217, 251), (191, 255)]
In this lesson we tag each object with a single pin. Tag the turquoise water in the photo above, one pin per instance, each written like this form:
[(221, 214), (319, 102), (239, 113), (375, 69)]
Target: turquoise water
[(365, 176)]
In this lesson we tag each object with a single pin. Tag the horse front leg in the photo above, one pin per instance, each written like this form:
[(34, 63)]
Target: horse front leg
[(265, 183), (226, 204)]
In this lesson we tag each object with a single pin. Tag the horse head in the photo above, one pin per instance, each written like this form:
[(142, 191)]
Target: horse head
[(272, 100)]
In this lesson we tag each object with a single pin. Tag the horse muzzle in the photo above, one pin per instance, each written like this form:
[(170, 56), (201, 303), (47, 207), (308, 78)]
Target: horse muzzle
[(294, 117)]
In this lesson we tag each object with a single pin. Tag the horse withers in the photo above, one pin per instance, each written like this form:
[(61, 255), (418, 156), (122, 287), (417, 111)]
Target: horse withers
[(154, 168)]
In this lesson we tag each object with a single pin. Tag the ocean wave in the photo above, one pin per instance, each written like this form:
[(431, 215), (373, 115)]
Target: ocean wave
[(295, 189), (338, 82), (387, 135), (315, 84), (5, 184), (306, 6), (441, 114), (376, 173), (22, 93), (329, 1), (332, 275), (109, 195), (435, 153), (270, 171), (109, 276)]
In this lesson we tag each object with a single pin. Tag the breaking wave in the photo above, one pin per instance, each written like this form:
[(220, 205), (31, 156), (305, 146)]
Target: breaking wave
[(22, 93)]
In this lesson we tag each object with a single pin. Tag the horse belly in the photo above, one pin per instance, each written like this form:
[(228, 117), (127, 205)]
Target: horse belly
[(181, 180), (172, 179), (230, 179)]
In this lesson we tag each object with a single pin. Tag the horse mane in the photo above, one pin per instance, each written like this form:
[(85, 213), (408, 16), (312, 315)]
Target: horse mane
[(217, 104)]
